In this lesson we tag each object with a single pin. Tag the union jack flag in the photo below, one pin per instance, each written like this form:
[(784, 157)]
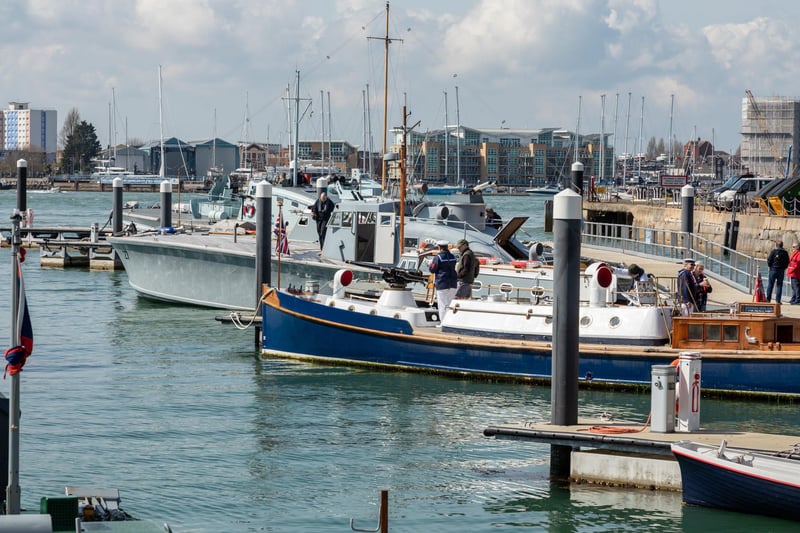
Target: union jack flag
[(282, 240), (17, 355)]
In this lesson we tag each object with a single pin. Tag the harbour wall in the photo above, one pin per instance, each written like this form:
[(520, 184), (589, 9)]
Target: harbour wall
[(757, 231)]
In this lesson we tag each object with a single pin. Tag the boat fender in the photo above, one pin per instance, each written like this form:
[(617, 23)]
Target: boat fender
[(166, 231), (248, 210), (519, 264), (29, 217)]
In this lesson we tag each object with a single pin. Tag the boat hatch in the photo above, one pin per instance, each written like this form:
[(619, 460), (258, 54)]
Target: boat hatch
[(506, 233)]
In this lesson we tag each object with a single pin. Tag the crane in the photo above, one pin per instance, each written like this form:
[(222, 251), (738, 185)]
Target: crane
[(763, 124)]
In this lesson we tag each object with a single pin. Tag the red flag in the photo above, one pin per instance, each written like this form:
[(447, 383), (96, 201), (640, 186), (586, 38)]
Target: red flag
[(758, 291), (16, 356)]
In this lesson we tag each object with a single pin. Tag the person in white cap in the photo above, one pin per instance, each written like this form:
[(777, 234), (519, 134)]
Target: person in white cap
[(443, 266)]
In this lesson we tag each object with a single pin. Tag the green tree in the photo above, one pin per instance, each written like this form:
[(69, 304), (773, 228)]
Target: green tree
[(81, 147)]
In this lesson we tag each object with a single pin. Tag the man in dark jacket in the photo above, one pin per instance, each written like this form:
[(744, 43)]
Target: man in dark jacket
[(777, 261), (321, 211), (467, 269)]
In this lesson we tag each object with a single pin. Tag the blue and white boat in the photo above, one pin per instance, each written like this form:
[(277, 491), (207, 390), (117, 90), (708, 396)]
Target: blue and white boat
[(497, 338), (741, 480)]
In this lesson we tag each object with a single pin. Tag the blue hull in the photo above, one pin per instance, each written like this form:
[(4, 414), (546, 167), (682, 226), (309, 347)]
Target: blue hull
[(712, 485), (299, 328)]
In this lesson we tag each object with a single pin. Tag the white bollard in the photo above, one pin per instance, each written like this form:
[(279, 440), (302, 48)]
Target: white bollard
[(689, 373)]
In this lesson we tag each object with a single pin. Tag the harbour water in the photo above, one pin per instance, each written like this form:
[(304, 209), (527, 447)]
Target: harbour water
[(177, 411)]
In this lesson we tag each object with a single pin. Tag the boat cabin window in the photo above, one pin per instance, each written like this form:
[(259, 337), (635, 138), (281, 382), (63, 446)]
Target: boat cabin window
[(713, 332), (342, 219), (386, 220), (367, 218)]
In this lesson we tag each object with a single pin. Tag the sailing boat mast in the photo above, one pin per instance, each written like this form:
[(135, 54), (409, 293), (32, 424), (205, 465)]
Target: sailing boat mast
[(602, 138), (458, 143), (446, 135), (641, 150), (162, 169), (577, 130), (296, 125), (386, 41), (322, 125)]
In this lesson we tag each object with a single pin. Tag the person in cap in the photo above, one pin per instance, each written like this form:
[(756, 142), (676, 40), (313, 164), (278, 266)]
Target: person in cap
[(687, 287), (443, 267), (467, 269), (794, 274), (778, 262)]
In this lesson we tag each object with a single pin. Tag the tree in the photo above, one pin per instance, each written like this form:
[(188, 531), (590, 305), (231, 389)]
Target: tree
[(81, 147), (651, 149), (70, 123)]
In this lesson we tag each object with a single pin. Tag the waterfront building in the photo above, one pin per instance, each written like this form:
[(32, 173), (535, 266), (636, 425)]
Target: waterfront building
[(23, 128), (215, 153), (769, 127), (513, 158)]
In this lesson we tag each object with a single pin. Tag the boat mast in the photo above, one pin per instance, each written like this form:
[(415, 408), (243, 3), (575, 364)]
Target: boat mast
[(577, 130), (614, 166), (458, 142), (214, 143), (626, 155), (162, 168), (386, 42), (602, 137), (641, 132), (369, 136), (296, 125), (364, 146), (671, 109), (322, 125), (330, 134)]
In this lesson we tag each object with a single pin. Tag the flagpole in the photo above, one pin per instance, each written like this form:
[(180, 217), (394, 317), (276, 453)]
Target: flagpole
[(13, 490)]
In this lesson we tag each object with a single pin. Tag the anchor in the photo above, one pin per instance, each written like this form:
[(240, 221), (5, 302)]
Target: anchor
[(383, 517)]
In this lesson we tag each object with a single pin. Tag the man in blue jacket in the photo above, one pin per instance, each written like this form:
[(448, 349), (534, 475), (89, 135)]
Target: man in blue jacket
[(443, 266)]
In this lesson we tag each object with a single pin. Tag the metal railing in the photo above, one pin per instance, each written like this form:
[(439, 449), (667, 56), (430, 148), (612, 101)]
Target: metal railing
[(734, 268)]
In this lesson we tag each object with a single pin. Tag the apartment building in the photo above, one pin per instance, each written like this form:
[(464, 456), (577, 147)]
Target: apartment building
[(22, 128)]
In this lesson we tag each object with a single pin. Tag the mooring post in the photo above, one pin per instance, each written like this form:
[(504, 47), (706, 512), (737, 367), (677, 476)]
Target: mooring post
[(687, 217), (263, 246), (577, 177), (116, 208), (166, 204), (22, 185), (567, 211)]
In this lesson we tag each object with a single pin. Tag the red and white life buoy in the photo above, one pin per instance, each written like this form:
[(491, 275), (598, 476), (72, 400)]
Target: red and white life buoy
[(248, 210)]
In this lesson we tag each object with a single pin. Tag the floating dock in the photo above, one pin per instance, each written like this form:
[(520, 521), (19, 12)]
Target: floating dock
[(63, 247), (627, 454)]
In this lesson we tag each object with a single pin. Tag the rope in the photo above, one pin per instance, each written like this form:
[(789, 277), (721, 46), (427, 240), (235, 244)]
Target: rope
[(616, 430)]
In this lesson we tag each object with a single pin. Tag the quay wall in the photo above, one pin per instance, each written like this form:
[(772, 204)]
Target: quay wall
[(757, 231)]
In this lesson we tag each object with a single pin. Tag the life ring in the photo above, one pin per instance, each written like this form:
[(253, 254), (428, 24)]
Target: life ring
[(248, 210)]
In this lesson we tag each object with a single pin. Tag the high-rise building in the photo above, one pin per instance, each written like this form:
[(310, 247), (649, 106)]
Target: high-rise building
[(23, 128)]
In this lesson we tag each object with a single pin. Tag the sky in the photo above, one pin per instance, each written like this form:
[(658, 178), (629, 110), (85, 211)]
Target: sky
[(519, 64)]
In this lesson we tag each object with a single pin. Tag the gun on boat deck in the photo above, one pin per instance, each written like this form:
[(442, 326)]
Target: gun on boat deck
[(396, 277)]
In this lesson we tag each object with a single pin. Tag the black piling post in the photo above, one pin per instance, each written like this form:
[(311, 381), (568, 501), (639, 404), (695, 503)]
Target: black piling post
[(687, 215), (22, 185), (116, 209), (567, 211), (263, 246), (166, 204), (577, 177)]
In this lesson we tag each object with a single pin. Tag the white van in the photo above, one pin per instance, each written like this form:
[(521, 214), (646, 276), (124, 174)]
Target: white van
[(743, 192)]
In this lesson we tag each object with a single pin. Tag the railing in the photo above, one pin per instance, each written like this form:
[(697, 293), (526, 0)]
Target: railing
[(736, 268)]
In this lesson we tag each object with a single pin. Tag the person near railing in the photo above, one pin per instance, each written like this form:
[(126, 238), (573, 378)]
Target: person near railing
[(687, 287), (793, 271), (778, 262), (703, 286)]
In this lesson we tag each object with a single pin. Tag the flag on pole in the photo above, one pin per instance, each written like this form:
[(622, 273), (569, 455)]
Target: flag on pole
[(282, 240), (17, 355), (758, 291)]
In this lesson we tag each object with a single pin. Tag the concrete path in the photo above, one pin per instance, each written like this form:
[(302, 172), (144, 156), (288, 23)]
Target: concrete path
[(722, 296)]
